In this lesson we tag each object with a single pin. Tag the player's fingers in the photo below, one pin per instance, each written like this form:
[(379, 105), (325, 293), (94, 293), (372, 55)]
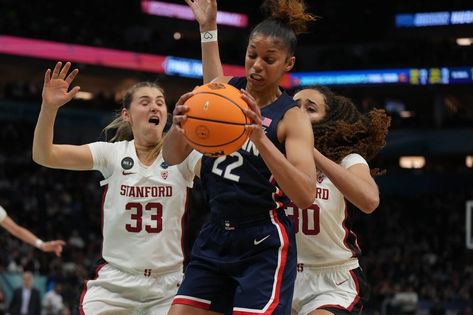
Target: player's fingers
[(180, 109), (57, 67), (184, 98), (253, 116), (179, 129), (73, 92), (47, 76), (64, 70), (177, 120), (189, 2), (72, 76)]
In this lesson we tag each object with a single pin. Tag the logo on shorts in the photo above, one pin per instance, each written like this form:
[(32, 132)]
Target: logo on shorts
[(147, 272), (257, 242), (340, 283), (127, 163)]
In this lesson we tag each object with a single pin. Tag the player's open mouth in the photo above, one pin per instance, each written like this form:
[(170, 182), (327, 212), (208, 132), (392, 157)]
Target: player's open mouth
[(154, 120), (256, 77)]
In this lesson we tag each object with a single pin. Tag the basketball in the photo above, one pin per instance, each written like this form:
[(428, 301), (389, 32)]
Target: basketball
[(216, 120)]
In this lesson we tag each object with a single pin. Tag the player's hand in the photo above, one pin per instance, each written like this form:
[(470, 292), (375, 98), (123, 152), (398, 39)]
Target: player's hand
[(179, 112), (53, 246), (205, 12), (56, 86), (254, 113)]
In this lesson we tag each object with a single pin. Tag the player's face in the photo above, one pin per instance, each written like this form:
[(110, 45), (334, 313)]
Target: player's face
[(266, 61), (312, 102), (147, 114)]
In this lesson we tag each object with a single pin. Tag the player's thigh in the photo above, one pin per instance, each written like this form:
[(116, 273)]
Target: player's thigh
[(323, 312), (103, 308)]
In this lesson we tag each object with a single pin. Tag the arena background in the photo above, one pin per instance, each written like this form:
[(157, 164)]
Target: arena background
[(414, 58)]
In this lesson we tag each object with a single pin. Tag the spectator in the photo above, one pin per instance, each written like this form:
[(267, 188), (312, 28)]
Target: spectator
[(52, 301), (26, 300)]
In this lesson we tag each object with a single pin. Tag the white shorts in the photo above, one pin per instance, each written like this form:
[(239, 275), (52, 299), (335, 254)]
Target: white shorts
[(120, 293), (339, 289)]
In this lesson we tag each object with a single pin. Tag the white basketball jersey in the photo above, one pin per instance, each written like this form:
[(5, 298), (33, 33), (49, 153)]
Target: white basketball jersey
[(323, 238), (3, 214), (143, 208)]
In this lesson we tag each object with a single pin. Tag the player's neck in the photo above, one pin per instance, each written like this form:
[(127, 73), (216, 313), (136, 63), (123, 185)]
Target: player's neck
[(264, 98), (146, 154)]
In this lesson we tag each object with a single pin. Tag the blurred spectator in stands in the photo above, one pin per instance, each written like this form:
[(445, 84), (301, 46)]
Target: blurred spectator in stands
[(52, 301), (26, 300), (404, 301)]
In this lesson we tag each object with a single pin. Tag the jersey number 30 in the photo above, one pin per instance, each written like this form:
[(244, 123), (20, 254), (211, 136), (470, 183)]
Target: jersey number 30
[(156, 210), (310, 218)]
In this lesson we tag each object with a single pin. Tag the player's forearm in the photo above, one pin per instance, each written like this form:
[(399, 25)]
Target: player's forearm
[(211, 63), (175, 147), (362, 193), (43, 137), (298, 185), (19, 232)]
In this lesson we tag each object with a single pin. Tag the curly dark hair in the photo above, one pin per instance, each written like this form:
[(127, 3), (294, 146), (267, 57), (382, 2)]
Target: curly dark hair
[(345, 130)]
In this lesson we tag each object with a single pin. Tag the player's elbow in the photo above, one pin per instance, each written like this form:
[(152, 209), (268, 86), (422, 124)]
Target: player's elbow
[(370, 204), (306, 198)]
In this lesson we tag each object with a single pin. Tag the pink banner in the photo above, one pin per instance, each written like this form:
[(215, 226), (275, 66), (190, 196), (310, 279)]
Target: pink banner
[(183, 12), (81, 54)]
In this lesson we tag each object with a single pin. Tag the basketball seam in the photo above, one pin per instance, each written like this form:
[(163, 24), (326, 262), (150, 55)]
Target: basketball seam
[(228, 99), (217, 145), (216, 121)]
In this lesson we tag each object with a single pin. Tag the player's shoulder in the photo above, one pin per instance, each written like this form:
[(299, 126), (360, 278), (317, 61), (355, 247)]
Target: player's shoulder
[(352, 159)]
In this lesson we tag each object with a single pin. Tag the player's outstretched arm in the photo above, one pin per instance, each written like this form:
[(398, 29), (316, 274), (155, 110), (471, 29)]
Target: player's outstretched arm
[(205, 12), (26, 236), (175, 146), (355, 183), (55, 94)]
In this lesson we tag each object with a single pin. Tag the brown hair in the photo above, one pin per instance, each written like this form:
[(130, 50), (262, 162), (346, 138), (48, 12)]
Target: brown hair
[(345, 130), (287, 19), (123, 131)]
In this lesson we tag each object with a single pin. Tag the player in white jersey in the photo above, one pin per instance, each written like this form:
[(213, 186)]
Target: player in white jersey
[(330, 280), (144, 199), (26, 236)]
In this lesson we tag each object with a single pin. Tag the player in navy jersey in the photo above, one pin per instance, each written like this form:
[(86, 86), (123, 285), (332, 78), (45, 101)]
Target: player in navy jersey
[(329, 278), (144, 202), (244, 259)]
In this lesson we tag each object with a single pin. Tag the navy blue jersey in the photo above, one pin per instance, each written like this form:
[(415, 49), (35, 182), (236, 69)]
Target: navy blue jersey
[(240, 185)]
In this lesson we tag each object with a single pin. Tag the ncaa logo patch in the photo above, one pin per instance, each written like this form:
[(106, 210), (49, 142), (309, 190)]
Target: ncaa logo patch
[(127, 163), (164, 165)]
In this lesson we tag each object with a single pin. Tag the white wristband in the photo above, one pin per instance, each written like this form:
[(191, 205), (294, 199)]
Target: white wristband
[(209, 36), (38, 243)]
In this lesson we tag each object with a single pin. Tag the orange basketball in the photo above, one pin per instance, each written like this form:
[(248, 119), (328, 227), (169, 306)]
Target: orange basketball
[(216, 120)]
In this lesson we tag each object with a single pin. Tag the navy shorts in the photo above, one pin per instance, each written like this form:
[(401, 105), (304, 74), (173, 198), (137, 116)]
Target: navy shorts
[(242, 268)]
